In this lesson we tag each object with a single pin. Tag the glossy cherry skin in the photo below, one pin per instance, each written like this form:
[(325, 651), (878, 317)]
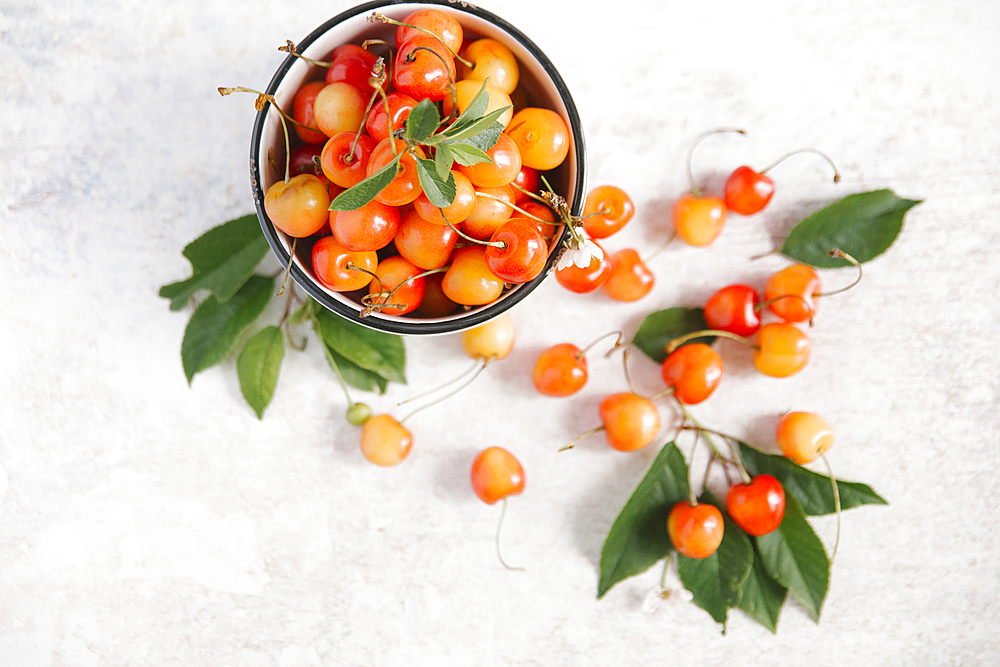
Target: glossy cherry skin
[(699, 220), (377, 121), (798, 284), (492, 209), (398, 276), (493, 340), (303, 112), (734, 309), (539, 210), (496, 474), (526, 179), (782, 349), (301, 161), (370, 227), (339, 107), (490, 59), (803, 436), (629, 279), (341, 164), (384, 441), (585, 280), (541, 136), (427, 245), (460, 208), (757, 507), (607, 210), (298, 207), (694, 371), (748, 192), (469, 280), (352, 64), (524, 254), (405, 186), (330, 259), (560, 371), (421, 74), (695, 530), (505, 165), (433, 20), (630, 422)]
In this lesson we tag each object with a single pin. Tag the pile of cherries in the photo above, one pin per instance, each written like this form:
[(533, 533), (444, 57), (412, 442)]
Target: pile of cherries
[(400, 253)]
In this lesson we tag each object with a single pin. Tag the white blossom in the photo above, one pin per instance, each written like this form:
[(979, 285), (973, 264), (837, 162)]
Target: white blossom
[(580, 253)]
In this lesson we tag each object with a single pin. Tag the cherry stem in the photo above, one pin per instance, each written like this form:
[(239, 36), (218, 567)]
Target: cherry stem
[(495, 244), (516, 208), (581, 437), (482, 363), (351, 266), (708, 469), (379, 74), (376, 17), (836, 504), (475, 364), (559, 205), (731, 441), (410, 58), (291, 340), (660, 248), (290, 49), (371, 101), (628, 377), (665, 392), (690, 174), (694, 448), (604, 211), (259, 104), (288, 268), (677, 342), (503, 511), (618, 343), (764, 304), (836, 252), (384, 303), (836, 174), (666, 568), (529, 193), (340, 379), (764, 254), (699, 428)]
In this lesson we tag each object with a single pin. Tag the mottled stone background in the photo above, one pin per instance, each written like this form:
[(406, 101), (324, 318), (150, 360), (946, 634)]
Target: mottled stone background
[(143, 522)]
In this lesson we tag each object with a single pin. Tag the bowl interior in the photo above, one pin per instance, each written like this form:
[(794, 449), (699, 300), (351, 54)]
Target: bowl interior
[(538, 80)]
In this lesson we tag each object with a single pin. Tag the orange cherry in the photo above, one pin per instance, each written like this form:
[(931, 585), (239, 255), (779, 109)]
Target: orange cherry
[(607, 210), (330, 260), (496, 474), (298, 207), (384, 441), (542, 137), (397, 276), (629, 278), (427, 245), (370, 227), (493, 340), (695, 529), (505, 165), (405, 187), (560, 370), (630, 422), (698, 220), (694, 371), (792, 292), (782, 349), (461, 207), (803, 436), (469, 280)]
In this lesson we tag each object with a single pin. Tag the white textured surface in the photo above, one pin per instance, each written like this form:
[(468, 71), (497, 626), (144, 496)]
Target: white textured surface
[(143, 522)]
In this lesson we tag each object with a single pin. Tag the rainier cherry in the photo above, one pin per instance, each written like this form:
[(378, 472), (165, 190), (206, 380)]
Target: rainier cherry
[(782, 349), (384, 441), (490, 60), (695, 528), (694, 371), (340, 269), (803, 436), (733, 309), (469, 280), (630, 421), (298, 206), (757, 506), (493, 340), (541, 136), (698, 219)]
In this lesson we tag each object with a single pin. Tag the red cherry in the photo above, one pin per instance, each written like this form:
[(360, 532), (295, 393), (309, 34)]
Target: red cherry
[(694, 371), (496, 474), (370, 227), (352, 64), (695, 529), (733, 309), (523, 256), (758, 506), (343, 166), (421, 74), (400, 106), (747, 191), (791, 293), (560, 370), (303, 112), (607, 210), (630, 279), (301, 160), (585, 280)]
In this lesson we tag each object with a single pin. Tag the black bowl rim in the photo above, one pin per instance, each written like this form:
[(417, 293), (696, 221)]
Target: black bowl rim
[(416, 327)]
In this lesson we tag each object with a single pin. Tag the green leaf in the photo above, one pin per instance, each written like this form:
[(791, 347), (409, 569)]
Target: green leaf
[(485, 139), (440, 192), (214, 328), (303, 312), (863, 225), (638, 538), (353, 374), (258, 366), (422, 121), (469, 131), (477, 106), (762, 596), (357, 196), (222, 260), (376, 351), (467, 154), (794, 556), (716, 582), (443, 160), (813, 490), (660, 327)]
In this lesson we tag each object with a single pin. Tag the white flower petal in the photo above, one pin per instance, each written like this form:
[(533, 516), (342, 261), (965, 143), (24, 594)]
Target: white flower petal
[(581, 258), (593, 249), (565, 261)]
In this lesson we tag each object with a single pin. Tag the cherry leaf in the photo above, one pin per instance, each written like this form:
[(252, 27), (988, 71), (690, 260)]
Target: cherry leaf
[(794, 556), (375, 351), (222, 260), (353, 374), (716, 582), (486, 123), (660, 327), (215, 327), (358, 195), (443, 160), (258, 366), (638, 538), (422, 121), (467, 154), (439, 191), (476, 108), (762, 596), (863, 225), (813, 490)]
